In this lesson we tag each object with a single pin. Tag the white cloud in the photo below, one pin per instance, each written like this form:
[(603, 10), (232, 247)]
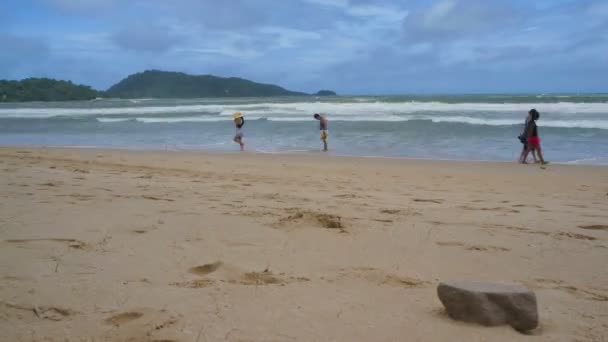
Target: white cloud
[(146, 38), (386, 13), (289, 38), (364, 10), (334, 3)]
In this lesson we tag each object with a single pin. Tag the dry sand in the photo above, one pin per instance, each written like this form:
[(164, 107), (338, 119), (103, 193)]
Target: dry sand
[(102, 245)]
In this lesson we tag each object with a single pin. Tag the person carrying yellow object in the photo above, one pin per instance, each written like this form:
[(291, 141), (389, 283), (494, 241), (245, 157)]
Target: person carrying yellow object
[(239, 121), (323, 127)]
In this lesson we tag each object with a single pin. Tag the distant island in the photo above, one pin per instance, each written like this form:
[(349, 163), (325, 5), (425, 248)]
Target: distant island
[(155, 83), (147, 84), (326, 93), (45, 89)]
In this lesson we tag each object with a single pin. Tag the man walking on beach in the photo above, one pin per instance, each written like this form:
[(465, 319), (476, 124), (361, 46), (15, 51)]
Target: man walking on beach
[(323, 127)]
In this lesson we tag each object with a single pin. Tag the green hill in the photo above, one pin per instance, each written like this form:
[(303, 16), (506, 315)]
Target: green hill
[(154, 83), (147, 84), (44, 89), (326, 93)]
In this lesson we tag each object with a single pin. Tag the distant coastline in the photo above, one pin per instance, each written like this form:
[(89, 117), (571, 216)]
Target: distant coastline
[(148, 84)]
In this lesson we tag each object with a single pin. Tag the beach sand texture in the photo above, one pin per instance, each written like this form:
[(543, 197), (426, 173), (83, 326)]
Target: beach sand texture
[(184, 246)]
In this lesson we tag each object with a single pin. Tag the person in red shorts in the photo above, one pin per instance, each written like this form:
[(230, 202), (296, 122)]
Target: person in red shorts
[(524, 140), (531, 134)]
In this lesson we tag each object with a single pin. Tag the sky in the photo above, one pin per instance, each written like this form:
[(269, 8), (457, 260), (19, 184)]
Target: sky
[(350, 46)]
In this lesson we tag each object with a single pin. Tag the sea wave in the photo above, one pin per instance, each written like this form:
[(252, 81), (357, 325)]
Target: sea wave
[(367, 109), (600, 124), (182, 119), (111, 120), (125, 110), (596, 124)]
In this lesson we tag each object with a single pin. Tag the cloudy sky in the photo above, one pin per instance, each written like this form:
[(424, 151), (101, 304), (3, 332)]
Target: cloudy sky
[(351, 46)]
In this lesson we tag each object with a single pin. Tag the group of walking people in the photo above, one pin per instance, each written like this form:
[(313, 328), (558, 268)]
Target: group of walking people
[(239, 122), (529, 137)]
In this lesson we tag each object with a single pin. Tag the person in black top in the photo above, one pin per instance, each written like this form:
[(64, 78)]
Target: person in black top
[(524, 140), (531, 133)]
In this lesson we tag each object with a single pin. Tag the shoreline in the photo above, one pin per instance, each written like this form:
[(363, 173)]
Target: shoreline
[(290, 154)]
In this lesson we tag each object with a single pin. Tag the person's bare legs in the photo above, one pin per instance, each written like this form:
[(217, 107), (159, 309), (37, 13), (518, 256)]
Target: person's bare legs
[(540, 155), (324, 145), (534, 156), (240, 142), (524, 156)]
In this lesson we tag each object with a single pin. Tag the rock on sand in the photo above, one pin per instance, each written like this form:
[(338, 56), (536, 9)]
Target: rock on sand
[(490, 304)]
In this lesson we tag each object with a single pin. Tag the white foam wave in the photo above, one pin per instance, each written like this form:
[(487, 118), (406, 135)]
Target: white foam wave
[(377, 108), (584, 161), (598, 124), (381, 118), (367, 109), (182, 119), (601, 124), (80, 112), (110, 120), (473, 121)]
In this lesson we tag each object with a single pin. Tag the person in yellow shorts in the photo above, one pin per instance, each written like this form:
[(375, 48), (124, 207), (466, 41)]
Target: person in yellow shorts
[(323, 127)]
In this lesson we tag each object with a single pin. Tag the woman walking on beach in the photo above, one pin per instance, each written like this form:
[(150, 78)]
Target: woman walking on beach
[(239, 121), (533, 139), (524, 140)]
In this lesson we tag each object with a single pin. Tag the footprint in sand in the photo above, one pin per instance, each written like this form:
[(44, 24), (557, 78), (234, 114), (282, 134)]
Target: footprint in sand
[(595, 295), (307, 217), (404, 212), (72, 243), (390, 211), (49, 184), (449, 243), (258, 278), (575, 236), (154, 198), (123, 318), (487, 249), (394, 280), (527, 206), (144, 230), (595, 227), (501, 209), (194, 284), (422, 200), (475, 248), (206, 269), (234, 275), (379, 277), (51, 313), (580, 206), (346, 196)]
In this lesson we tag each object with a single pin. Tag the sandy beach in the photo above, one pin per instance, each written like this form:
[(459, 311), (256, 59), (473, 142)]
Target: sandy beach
[(115, 245)]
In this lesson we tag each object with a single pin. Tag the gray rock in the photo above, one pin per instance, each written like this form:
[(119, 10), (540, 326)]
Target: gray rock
[(490, 304)]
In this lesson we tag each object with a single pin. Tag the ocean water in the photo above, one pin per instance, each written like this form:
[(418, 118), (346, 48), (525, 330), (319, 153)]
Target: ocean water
[(573, 128)]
